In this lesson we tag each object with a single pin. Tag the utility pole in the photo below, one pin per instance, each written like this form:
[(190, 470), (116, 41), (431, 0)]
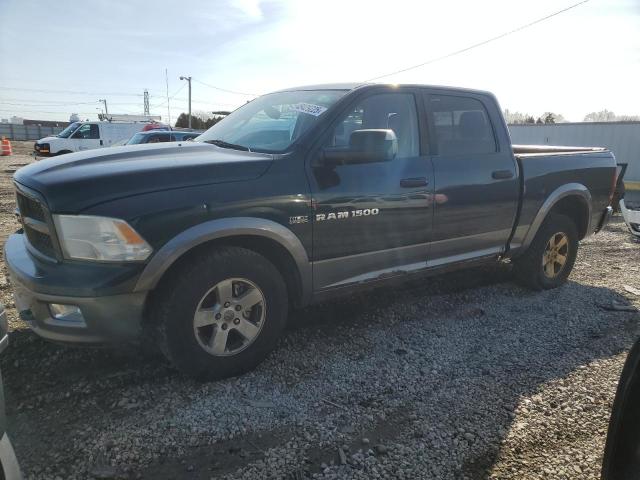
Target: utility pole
[(146, 102), (106, 111), (188, 79)]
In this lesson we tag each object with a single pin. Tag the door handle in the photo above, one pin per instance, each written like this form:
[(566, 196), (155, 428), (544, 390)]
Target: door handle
[(413, 182), (502, 174), (101, 143)]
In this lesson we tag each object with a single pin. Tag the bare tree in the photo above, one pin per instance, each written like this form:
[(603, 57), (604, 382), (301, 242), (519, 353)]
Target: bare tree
[(601, 116), (515, 118)]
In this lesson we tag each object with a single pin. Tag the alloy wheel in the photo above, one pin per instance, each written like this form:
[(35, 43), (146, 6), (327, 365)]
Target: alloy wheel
[(555, 255), (229, 317)]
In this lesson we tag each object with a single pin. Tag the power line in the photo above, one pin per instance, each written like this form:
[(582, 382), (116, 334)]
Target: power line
[(46, 104), (44, 111), (226, 90), (206, 102), (170, 98), (71, 92), (479, 44)]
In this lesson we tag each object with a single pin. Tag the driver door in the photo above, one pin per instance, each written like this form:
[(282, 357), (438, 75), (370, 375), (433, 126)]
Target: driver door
[(373, 219), (87, 137)]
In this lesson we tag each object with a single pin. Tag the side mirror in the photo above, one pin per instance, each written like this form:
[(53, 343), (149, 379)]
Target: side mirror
[(365, 146)]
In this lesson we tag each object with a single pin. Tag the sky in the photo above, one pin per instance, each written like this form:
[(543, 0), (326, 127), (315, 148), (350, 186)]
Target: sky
[(58, 58)]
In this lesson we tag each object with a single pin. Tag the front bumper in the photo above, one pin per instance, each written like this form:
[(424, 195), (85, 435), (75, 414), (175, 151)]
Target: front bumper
[(631, 218), (110, 310)]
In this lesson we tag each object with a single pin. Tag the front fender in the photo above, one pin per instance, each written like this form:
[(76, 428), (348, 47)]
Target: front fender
[(222, 228)]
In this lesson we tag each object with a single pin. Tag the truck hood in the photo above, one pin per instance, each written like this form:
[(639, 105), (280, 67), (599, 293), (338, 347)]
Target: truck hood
[(47, 139), (76, 181)]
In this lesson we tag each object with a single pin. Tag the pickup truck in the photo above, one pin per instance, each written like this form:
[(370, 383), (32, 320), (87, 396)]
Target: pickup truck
[(202, 247)]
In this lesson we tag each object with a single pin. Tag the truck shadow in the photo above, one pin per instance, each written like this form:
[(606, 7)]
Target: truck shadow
[(427, 363)]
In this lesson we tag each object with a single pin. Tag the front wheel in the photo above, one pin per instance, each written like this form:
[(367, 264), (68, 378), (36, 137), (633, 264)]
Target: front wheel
[(549, 259), (221, 313)]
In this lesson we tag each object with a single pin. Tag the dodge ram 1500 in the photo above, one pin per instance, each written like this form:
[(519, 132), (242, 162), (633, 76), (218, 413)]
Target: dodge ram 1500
[(297, 196)]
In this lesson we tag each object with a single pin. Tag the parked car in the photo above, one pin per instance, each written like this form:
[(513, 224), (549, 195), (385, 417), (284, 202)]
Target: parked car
[(631, 213), (155, 126), (622, 451), (81, 136), (204, 246), (9, 468), (158, 136)]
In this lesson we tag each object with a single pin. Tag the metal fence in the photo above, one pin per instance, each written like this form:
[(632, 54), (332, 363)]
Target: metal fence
[(15, 131)]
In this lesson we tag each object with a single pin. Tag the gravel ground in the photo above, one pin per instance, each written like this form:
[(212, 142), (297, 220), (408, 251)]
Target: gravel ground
[(468, 376)]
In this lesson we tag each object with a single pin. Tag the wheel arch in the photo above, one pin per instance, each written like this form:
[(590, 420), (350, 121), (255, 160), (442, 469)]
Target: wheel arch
[(268, 238), (573, 200)]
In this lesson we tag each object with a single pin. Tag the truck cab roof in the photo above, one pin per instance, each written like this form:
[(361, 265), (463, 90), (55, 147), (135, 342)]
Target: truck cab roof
[(362, 85)]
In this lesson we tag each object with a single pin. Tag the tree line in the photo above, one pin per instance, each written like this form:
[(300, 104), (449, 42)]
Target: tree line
[(200, 120), (605, 115)]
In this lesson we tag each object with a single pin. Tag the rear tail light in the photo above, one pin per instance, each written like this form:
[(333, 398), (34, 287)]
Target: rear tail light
[(614, 183)]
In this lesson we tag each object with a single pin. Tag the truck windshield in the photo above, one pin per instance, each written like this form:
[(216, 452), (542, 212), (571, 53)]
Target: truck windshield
[(69, 130), (271, 123)]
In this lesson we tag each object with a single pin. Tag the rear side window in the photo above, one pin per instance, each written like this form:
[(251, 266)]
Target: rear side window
[(461, 124)]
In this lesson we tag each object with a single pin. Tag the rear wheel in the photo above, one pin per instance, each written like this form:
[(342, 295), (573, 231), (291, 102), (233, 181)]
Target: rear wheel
[(222, 313), (549, 259)]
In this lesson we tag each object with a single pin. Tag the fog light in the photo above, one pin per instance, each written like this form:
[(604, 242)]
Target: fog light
[(69, 313)]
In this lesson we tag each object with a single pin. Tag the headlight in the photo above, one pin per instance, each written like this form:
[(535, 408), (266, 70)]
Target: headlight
[(85, 237)]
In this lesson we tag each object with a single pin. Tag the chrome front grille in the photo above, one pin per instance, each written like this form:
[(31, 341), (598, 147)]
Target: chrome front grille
[(36, 223)]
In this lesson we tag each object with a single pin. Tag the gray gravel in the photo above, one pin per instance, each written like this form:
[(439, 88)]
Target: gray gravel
[(463, 376)]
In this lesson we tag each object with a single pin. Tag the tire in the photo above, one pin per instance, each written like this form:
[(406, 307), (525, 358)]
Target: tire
[(530, 268), (198, 292)]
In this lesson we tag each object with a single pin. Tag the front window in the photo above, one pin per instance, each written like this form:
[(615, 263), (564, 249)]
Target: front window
[(273, 122), (69, 130), (88, 131), (394, 111)]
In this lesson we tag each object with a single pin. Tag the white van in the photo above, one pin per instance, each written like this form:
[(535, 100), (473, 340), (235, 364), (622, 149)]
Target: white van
[(86, 136)]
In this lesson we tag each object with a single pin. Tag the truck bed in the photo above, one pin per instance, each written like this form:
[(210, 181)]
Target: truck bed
[(545, 169)]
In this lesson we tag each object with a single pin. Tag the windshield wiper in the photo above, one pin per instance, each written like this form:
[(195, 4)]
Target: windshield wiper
[(223, 144)]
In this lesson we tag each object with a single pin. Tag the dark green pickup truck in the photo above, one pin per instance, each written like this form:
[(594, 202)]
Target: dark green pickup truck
[(297, 196)]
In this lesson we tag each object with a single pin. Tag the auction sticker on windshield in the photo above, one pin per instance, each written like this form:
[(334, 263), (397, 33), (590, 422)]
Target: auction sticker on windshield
[(309, 108)]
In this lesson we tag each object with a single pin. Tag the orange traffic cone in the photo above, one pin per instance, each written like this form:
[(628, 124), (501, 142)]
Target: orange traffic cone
[(6, 147)]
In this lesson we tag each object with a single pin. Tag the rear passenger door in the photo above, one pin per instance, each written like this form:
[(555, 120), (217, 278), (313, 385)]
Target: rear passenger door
[(476, 180)]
